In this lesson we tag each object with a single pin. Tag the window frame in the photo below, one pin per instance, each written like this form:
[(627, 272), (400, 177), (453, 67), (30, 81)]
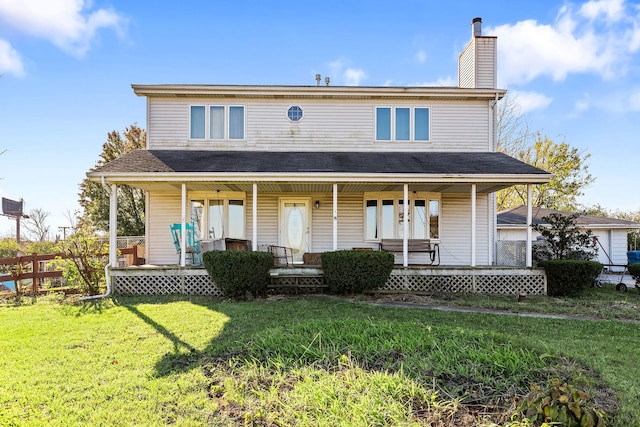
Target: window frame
[(191, 124), (226, 131), (298, 120), (398, 199), (394, 127), (225, 197)]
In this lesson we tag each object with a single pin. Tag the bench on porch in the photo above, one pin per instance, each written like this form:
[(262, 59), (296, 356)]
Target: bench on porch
[(413, 246)]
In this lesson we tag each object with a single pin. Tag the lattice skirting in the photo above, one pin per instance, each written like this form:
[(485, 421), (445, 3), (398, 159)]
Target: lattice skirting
[(193, 281), (478, 280), (163, 282)]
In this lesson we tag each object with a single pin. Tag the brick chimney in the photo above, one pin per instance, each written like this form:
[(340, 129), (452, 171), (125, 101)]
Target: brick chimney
[(477, 62)]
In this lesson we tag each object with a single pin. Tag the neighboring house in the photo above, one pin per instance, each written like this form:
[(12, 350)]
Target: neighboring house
[(610, 232), (321, 168)]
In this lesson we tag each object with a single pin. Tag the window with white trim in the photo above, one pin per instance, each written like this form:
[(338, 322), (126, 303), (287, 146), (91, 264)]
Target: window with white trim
[(385, 213), (217, 122), (219, 218), (402, 123)]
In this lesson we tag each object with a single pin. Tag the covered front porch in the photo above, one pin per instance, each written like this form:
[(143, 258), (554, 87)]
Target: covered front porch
[(314, 202)]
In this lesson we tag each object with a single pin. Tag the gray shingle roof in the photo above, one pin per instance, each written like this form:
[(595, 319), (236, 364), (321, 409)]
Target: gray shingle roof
[(518, 216), (186, 161)]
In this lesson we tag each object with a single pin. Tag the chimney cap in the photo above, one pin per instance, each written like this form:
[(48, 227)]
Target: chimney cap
[(476, 27)]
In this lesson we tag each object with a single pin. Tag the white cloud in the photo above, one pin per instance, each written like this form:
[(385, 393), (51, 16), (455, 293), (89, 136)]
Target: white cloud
[(529, 101), (353, 77), (612, 10), (421, 56), (350, 76), (68, 24), (10, 61), (581, 106), (577, 42)]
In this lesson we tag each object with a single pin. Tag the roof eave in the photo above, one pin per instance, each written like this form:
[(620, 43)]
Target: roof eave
[(282, 91), (319, 177)]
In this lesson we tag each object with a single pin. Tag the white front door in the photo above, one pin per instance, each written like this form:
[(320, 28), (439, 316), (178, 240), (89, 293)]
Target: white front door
[(295, 226)]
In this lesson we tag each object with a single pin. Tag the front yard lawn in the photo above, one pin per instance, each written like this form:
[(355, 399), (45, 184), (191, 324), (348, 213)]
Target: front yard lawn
[(199, 361)]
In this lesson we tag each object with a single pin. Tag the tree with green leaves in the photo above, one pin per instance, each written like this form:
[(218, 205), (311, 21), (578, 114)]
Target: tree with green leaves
[(570, 176), (563, 239), (567, 164), (94, 198)]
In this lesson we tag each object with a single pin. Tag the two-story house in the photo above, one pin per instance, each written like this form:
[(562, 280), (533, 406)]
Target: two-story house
[(320, 168)]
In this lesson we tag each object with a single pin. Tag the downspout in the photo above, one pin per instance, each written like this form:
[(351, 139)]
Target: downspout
[(112, 191)]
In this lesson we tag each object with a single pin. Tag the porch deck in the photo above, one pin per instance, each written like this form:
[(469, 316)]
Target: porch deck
[(171, 279)]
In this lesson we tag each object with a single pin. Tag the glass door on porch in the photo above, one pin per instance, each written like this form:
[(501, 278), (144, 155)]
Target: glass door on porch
[(295, 227)]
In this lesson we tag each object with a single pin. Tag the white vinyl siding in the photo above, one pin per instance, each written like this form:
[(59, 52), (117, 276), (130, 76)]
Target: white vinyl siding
[(164, 210), (327, 126), (466, 66), (455, 230), (477, 64), (486, 62)]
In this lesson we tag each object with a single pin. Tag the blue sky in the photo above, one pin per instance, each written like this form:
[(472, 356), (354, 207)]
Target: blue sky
[(67, 67)]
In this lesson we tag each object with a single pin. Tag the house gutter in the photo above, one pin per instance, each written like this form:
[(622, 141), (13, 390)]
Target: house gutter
[(106, 267)]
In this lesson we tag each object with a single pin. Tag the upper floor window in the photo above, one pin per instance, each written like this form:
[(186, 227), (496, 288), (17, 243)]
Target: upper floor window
[(294, 113), (403, 123), (216, 122)]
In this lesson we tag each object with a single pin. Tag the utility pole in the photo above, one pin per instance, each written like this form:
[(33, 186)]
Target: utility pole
[(64, 231)]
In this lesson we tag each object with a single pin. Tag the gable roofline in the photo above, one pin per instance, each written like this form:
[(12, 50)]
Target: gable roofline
[(517, 218), (316, 92)]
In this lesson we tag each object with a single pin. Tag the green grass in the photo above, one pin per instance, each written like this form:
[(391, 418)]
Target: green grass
[(197, 361), (601, 303)]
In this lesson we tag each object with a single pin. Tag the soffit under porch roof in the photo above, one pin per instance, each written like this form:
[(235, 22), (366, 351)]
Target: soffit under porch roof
[(306, 187), (166, 170)]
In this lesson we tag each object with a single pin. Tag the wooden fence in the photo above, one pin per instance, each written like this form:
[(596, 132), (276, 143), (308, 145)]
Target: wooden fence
[(36, 267)]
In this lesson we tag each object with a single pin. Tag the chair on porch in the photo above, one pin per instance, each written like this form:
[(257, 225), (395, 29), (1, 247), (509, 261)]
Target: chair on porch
[(193, 253)]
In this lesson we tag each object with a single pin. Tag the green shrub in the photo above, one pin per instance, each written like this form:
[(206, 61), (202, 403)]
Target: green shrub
[(634, 270), (237, 273), (570, 277), (349, 271), (562, 404)]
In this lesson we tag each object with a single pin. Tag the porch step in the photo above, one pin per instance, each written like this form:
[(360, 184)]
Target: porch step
[(297, 283)]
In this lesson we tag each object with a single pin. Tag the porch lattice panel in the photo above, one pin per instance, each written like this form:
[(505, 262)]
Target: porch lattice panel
[(488, 280), (419, 280), (423, 283), (163, 284)]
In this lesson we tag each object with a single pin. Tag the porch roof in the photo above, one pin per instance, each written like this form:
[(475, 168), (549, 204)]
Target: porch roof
[(497, 170), (517, 218)]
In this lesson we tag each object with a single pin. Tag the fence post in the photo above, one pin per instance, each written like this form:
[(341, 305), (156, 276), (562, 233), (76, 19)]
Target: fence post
[(35, 269)]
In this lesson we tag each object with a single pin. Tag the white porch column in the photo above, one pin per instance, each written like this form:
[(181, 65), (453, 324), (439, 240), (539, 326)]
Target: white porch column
[(529, 246), (183, 231), (113, 225), (335, 217), (405, 227), (254, 239), (473, 225)]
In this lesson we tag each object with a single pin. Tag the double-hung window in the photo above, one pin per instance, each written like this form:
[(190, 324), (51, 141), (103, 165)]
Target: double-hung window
[(402, 124), (385, 214), (219, 218), (217, 122)]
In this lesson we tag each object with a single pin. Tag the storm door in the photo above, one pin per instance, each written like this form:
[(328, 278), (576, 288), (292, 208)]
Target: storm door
[(295, 227)]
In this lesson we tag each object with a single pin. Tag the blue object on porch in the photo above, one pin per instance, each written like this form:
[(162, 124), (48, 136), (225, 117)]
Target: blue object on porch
[(193, 245), (633, 257)]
